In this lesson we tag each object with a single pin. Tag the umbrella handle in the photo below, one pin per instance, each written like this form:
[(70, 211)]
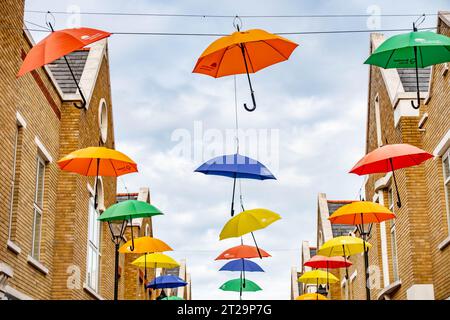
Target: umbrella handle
[(254, 103), (417, 80)]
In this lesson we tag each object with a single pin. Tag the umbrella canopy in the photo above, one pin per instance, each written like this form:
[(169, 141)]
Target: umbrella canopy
[(172, 298), (343, 246), (155, 260), (242, 251), (390, 157), (236, 166), (145, 245), (317, 277), (58, 44), (97, 161), (129, 209), (248, 221), (166, 281), (224, 57), (311, 296), (323, 262), (241, 265), (237, 285), (361, 212), (398, 50)]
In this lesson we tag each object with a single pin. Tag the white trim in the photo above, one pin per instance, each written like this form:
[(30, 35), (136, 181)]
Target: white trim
[(13, 247), (6, 269), (444, 244), (103, 133), (20, 120), (43, 150), (354, 274), (90, 189), (443, 145), (37, 265), (420, 292), (92, 68), (389, 289), (384, 254), (383, 182), (445, 69), (92, 292), (16, 293), (423, 120)]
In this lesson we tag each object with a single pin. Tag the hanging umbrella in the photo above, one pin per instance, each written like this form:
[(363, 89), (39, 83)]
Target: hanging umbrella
[(166, 281), (242, 252), (244, 52), (241, 265), (323, 262), (343, 246), (412, 50), (97, 161), (317, 277), (172, 298), (235, 166), (237, 285), (155, 260), (248, 221), (391, 157), (360, 213), (311, 296), (145, 245), (58, 44)]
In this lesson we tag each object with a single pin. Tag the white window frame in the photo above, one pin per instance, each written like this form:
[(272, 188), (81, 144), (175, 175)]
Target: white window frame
[(37, 209), (446, 156), (391, 203), (103, 125), (378, 120), (94, 248)]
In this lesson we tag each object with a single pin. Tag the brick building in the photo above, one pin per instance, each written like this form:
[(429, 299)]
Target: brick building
[(410, 255), (51, 245)]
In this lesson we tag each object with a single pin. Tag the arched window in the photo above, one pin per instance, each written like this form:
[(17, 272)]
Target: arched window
[(103, 120)]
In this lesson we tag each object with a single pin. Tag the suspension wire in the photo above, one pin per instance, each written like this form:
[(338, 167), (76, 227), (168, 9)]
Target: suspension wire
[(175, 15), (38, 25), (226, 34)]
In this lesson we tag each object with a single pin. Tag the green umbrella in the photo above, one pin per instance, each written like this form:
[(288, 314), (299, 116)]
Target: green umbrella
[(237, 285), (412, 50), (172, 298)]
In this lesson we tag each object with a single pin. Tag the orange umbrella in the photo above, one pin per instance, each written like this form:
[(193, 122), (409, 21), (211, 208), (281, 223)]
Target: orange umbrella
[(58, 44), (97, 161), (244, 52), (242, 252), (391, 157)]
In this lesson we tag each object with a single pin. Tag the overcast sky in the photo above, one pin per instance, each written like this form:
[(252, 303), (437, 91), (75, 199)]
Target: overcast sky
[(312, 107)]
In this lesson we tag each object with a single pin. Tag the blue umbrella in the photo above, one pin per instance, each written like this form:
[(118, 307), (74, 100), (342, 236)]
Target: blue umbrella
[(167, 281), (241, 265), (236, 166)]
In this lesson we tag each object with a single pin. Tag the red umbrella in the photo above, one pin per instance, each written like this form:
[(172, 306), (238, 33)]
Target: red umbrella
[(58, 44), (242, 252), (391, 157), (319, 261)]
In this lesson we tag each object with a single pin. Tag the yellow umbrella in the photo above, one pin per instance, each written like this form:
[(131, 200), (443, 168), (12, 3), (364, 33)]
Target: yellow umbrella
[(155, 260), (343, 246), (248, 221), (311, 296), (145, 245), (317, 277)]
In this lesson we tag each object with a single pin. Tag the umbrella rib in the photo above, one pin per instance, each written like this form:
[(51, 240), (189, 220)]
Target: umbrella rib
[(90, 163), (220, 62), (112, 165), (389, 59), (275, 49)]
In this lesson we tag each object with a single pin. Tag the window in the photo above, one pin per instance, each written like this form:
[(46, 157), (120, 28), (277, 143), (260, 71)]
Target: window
[(393, 237), (378, 120), (93, 254), (38, 208), (14, 181), (103, 120), (446, 164)]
